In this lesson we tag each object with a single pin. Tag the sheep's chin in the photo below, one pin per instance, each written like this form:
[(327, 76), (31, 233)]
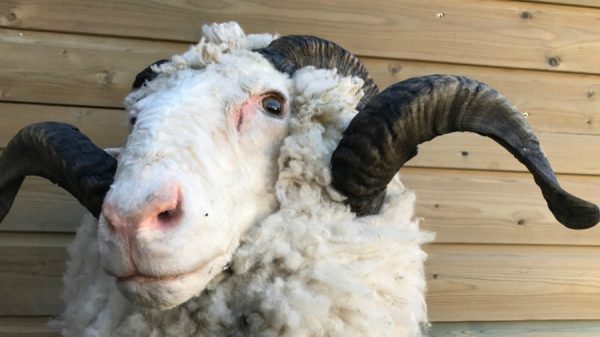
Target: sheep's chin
[(164, 293)]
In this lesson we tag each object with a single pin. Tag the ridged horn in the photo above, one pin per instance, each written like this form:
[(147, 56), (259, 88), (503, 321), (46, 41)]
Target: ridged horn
[(146, 75), (293, 52), (63, 155), (388, 130)]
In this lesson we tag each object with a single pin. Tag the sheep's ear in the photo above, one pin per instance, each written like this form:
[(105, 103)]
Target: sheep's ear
[(146, 75), (386, 133)]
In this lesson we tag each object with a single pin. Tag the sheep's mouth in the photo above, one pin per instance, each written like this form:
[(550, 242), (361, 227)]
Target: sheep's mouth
[(166, 291), (141, 278), (144, 278), (206, 267)]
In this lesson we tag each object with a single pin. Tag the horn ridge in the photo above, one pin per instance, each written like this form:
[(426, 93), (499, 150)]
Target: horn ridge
[(387, 131), (61, 154), (293, 52)]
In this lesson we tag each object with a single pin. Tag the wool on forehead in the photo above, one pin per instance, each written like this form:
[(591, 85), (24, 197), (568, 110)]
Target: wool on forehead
[(217, 40)]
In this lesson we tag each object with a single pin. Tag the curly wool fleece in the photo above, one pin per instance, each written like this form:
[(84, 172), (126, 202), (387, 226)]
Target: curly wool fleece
[(312, 268)]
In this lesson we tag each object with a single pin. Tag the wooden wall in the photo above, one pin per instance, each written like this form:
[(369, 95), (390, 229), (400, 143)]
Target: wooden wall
[(501, 266)]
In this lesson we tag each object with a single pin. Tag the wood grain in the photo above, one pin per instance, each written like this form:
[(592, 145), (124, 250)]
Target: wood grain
[(73, 69), (95, 71), (497, 282), (42, 206), (105, 127), (574, 154), (30, 273), (496, 33), (584, 3), (517, 329), (493, 207), (563, 103)]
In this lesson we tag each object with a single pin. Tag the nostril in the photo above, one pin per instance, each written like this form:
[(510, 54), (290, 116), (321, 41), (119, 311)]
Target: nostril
[(169, 216), (166, 215), (160, 209)]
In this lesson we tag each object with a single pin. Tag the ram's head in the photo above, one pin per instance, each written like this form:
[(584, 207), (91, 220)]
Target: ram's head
[(200, 164)]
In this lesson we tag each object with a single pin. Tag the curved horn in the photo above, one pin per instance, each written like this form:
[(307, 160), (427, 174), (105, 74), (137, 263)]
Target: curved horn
[(60, 153), (146, 75), (290, 53), (387, 131)]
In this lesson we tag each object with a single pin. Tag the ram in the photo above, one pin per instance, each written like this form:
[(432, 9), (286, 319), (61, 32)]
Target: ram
[(255, 195)]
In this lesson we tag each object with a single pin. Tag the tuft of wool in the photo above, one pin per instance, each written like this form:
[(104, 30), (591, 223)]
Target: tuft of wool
[(312, 268)]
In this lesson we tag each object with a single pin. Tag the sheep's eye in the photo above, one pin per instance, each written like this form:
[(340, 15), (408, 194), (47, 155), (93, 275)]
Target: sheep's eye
[(273, 104)]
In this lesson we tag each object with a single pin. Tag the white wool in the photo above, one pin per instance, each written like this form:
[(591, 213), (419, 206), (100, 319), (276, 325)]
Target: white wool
[(312, 268)]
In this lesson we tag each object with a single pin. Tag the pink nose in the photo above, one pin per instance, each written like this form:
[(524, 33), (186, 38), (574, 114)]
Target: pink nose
[(161, 210)]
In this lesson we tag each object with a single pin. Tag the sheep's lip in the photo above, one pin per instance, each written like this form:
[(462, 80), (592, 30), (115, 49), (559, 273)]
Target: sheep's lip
[(142, 278), (148, 278)]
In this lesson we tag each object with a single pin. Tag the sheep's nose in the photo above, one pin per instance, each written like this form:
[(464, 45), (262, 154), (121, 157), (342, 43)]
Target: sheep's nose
[(160, 210)]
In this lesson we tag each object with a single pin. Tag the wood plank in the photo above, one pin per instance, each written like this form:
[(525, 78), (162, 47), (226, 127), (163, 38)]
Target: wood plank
[(584, 3), (497, 33), (501, 283), (30, 273), (517, 329), (94, 71), (24, 326), (564, 103), (495, 207), (42, 206), (574, 154), (105, 127), (465, 282), (73, 69)]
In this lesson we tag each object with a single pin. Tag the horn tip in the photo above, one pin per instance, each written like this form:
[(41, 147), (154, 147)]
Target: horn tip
[(578, 214)]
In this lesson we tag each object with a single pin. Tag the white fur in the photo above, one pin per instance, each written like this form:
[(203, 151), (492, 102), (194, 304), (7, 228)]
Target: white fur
[(293, 260)]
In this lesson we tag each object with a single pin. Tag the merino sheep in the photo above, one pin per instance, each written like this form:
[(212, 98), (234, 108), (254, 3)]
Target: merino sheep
[(250, 198)]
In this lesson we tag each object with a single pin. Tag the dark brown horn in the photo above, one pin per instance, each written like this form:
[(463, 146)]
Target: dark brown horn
[(60, 153), (387, 131), (290, 53), (146, 75)]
